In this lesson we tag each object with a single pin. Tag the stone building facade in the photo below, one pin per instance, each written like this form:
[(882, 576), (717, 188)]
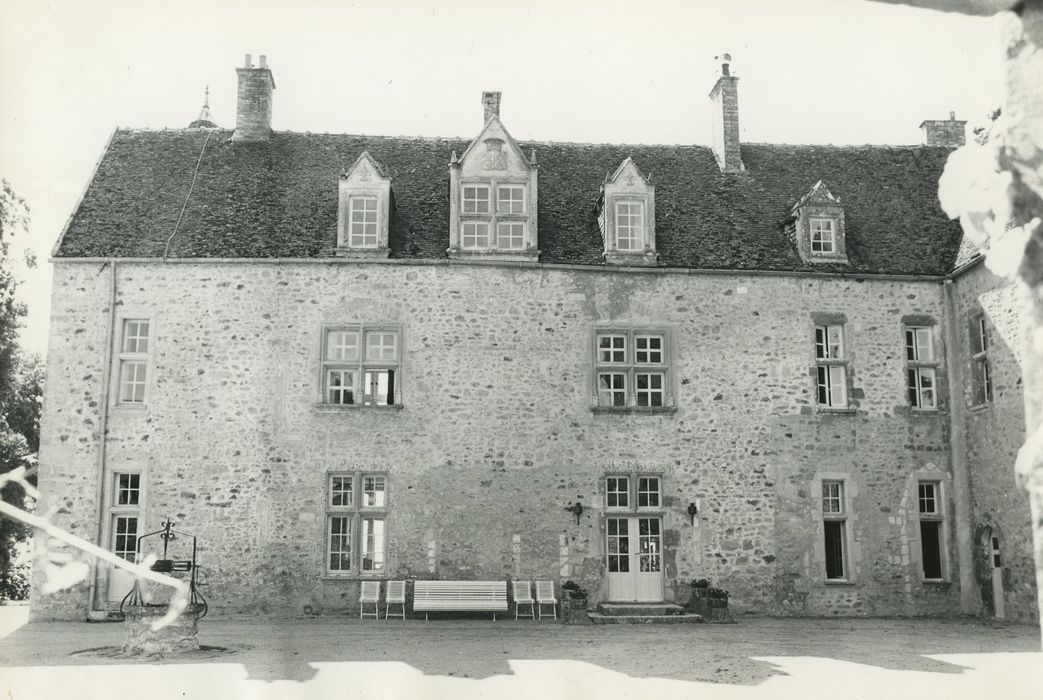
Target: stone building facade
[(340, 358)]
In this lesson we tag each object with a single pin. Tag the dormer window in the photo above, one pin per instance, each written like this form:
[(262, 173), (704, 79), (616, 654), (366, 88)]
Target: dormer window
[(492, 198), (816, 227), (364, 210), (626, 217), (823, 236)]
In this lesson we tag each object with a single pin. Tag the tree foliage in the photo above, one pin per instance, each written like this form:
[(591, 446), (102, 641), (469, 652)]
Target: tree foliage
[(21, 382)]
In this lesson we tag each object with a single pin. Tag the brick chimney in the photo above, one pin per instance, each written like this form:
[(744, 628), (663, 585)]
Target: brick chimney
[(253, 118), (725, 99), (491, 106), (951, 132)]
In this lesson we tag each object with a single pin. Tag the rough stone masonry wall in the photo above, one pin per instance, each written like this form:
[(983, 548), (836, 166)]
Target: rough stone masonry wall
[(496, 436), (994, 432)]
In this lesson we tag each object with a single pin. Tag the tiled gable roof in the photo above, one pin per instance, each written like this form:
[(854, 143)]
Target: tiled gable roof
[(279, 199)]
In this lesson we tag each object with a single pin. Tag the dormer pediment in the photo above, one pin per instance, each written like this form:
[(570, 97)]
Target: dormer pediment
[(817, 228), (364, 172), (494, 151), (364, 209), (627, 176)]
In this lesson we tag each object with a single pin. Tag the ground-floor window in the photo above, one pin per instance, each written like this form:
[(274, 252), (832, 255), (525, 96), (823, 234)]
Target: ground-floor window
[(125, 513), (356, 522), (931, 530), (834, 525)]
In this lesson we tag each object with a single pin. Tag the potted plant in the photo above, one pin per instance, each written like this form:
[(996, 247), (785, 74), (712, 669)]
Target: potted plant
[(710, 602), (573, 591)]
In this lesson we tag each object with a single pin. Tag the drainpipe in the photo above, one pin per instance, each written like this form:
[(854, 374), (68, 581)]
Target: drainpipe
[(970, 600), (103, 428)]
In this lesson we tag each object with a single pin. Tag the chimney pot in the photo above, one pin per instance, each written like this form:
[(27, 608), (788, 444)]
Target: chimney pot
[(248, 62), (491, 106), (264, 61), (952, 116)]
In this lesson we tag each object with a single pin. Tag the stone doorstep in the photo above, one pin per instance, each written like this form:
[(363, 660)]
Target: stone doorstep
[(654, 609), (600, 619)]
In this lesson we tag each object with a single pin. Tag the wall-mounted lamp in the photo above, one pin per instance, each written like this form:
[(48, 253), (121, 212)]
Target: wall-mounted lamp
[(576, 509), (692, 510)]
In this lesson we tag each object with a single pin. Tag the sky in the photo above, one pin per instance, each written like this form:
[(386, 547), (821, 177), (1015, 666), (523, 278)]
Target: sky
[(810, 71)]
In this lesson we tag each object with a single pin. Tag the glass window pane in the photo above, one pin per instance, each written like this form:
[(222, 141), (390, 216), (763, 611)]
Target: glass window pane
[(342, 346), (381, 346), (374, 491), (372, 544), (341, 491)]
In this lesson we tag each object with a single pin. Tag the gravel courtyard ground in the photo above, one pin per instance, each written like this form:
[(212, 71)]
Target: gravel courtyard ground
[(348, 658)]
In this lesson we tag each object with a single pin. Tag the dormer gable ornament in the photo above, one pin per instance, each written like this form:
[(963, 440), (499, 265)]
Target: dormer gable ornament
[(363, 209), (816, 226), (625, 211)]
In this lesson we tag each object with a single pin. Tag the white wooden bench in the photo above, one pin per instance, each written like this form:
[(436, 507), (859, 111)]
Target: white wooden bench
[(434, 596)]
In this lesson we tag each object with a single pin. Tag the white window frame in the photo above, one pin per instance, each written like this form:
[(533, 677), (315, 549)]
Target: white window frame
[(936, 514), (625, 373), (636, 225), (633, 491), (921, 367), (130, 511), (835, 510), (362, 240), (358, 515), (375, 369), (500, 227), (981, 384), (831, 365), (132, 357), (825, 237)]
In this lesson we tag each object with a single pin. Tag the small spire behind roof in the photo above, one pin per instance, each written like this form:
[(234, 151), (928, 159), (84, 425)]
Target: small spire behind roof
[(203, 121)]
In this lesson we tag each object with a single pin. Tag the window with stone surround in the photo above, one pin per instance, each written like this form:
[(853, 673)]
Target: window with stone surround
[(634, 491), (364, 210), (932, 521), (125, 514), (816, 226), (361, 365), (921, 367), (133, 362), (834, 529), (625, 211), (981, 385), (831, 366), (632, 369), (356, 523)]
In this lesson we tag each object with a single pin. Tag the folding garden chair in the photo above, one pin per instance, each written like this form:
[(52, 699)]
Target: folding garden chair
[(545, 596), (523, 596), (370, 596), (396, 595)]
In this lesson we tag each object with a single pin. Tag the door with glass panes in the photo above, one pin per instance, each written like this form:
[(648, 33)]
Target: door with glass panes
[(634, 538)]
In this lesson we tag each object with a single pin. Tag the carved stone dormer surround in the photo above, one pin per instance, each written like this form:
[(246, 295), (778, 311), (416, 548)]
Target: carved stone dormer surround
[(816, 227), (363, 210), (626, 217), (493, 199)]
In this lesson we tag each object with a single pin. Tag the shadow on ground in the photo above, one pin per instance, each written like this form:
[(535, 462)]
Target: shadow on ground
[(274, 650)]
